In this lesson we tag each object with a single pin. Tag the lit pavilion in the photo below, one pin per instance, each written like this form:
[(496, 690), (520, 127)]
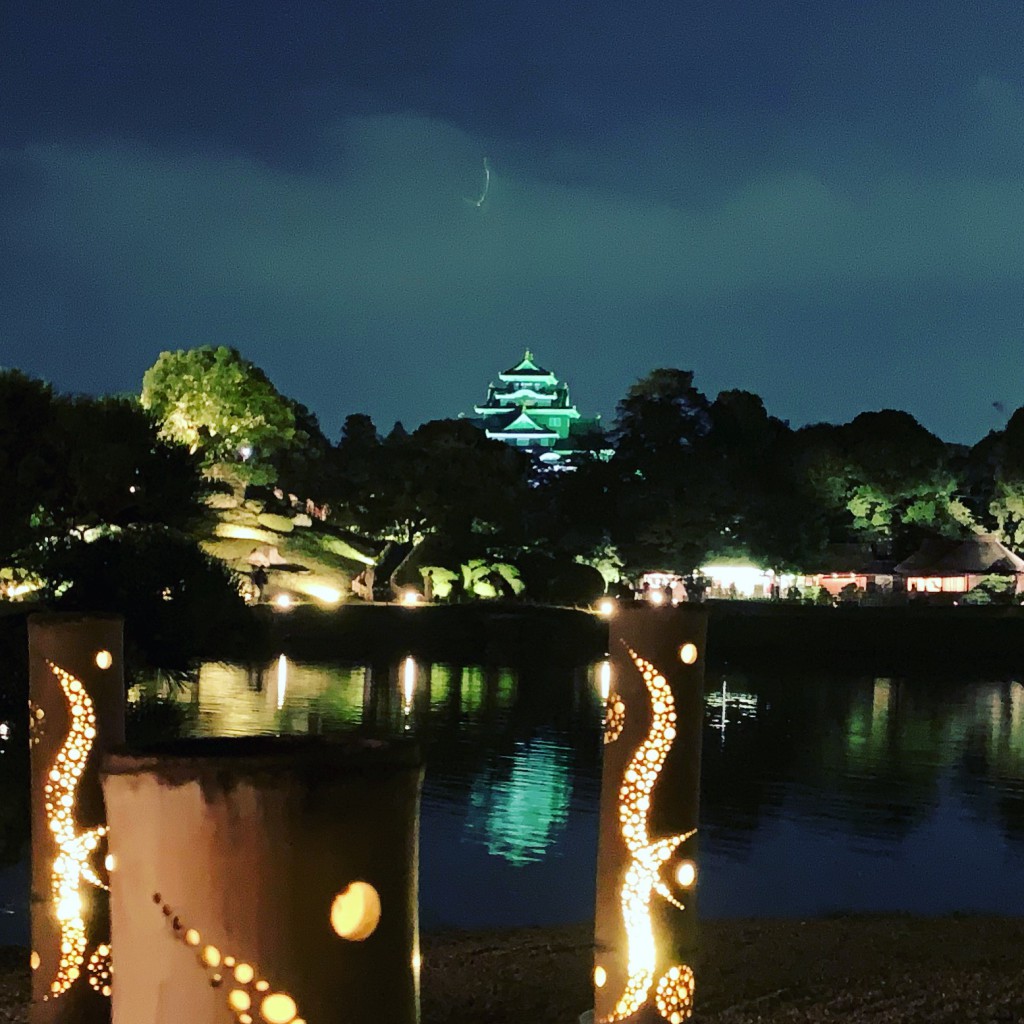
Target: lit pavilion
[(528, 407)]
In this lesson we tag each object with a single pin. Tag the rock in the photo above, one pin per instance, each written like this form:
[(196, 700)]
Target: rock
[(272, 521), (222, 501)]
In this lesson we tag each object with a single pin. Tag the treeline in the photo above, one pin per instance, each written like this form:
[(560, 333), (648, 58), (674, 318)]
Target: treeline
[(684, 479)]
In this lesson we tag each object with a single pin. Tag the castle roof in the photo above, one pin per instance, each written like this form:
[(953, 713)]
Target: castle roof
[(527, 369)]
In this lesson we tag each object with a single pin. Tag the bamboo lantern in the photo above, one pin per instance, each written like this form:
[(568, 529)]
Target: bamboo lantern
[(76, 709), (265, 879), (645, 924)]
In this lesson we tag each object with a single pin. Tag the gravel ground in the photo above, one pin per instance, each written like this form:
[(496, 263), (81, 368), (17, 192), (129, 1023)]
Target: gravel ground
[(859, 969)]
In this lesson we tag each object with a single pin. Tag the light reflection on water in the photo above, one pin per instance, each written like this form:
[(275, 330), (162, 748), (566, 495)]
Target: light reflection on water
[(510, 794), (820, 791)]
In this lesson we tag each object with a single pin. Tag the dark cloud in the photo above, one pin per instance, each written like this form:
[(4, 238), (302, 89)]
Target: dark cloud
[(821, 203)]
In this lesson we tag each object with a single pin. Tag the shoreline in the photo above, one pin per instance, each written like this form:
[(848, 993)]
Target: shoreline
[(861, 968)]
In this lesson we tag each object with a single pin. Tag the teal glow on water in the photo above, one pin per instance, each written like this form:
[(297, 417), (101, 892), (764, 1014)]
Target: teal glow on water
[(821, 792)]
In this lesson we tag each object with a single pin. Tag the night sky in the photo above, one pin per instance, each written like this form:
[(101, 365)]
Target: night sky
[(822, 202)]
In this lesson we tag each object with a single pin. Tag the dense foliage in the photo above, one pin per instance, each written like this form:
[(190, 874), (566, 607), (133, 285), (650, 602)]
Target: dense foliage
[(690, 479)]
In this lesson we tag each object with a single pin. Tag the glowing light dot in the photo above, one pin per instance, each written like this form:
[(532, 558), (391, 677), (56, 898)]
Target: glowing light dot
[(106, 990), (238, 1000), (211, 956), (229, 961), (262, 986), (109, 862), (686, 874), (34, 961), (283, 601), (600, 977), (244, 1018), (278, 1008), (688, 654), (104, 659), (606, 607), (244, 974), (355, 911)]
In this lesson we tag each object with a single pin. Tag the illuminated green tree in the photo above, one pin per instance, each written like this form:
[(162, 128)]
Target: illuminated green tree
[(995, 474), (218, 404)]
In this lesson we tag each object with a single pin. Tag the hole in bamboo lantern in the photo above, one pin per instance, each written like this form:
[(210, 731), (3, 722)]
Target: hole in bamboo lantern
[(600, 977), (211, 956), (34, 960), (239, 1001), (688, 654), (356, 911), (278, 1009), (244, 974), (104, 659), (686, 874)]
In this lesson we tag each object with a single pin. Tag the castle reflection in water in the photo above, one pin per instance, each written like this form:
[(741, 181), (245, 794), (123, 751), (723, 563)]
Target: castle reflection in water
[(820, 791)]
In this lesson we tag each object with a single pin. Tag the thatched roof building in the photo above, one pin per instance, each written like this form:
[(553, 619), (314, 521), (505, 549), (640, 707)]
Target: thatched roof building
[(941, 564)]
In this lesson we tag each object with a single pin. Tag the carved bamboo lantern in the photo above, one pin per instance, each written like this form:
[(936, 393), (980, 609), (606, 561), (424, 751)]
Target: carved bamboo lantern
[(76, 709), (265, 879), (645, 924)]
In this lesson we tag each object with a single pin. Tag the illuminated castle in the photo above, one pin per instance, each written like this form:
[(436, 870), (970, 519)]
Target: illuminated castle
[(528, 407)]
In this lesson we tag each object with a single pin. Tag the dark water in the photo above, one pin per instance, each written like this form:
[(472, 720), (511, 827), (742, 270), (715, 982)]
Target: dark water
[(821, 793)]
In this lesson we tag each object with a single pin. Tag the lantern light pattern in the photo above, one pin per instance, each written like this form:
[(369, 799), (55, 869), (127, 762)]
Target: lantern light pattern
[(274, 1007), (71, 866), (643, 876)]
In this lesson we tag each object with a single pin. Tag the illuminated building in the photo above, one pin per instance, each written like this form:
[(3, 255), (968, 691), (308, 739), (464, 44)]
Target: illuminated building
[(942, 566), (527, 406)]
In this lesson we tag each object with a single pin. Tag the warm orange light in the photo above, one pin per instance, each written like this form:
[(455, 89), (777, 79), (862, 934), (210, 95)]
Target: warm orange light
[(239, 1001), (410, 598), (606, 607), (104, 659), (278, 1009), (656, 597), (686, 874), (283, 601), (355, 911), (600, 977), (688, 654)]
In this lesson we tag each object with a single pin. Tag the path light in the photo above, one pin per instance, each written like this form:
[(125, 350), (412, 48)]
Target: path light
[(410, 597), (283, 601), (606, 607), (656, 596)]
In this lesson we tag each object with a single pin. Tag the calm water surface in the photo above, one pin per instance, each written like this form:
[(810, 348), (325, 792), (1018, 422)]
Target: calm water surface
[(821, 793)]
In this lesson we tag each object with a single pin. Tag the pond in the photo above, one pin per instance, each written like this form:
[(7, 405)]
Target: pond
[(821, 792)]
